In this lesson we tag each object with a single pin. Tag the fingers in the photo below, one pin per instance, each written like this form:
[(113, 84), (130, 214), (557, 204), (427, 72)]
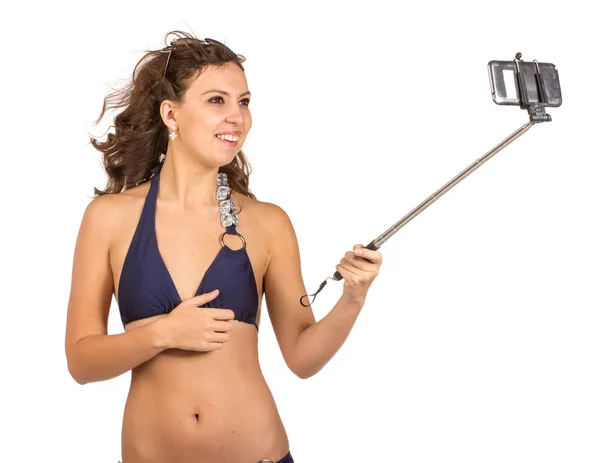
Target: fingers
[(204, 298), (216, 340), (221, 314), (373, 256), (221, 326), (345, 272), (351, 260), (217, 337), (347, 269), (355, 263), (210, 346), (217, 314)]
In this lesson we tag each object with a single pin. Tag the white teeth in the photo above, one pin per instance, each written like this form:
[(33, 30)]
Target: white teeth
[(229, 137)]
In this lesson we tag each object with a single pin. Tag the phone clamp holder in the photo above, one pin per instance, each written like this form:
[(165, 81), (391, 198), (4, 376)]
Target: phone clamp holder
[(536, 109)]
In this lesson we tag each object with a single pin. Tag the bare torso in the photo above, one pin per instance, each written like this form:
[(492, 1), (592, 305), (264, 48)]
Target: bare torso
[(188, 406)]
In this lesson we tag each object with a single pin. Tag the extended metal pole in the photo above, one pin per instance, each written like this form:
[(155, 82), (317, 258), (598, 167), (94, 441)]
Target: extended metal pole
[(376, 243)]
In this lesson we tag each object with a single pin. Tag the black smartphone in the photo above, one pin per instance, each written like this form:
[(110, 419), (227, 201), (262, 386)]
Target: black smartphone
[(537, 78)]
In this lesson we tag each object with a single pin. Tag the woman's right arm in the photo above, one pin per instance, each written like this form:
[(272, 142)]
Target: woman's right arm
[(92, 354)]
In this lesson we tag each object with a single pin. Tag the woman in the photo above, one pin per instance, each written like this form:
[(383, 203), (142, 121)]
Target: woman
[(188, 252)]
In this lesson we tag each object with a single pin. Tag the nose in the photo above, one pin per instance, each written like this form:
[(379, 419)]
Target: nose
[(235, 115)]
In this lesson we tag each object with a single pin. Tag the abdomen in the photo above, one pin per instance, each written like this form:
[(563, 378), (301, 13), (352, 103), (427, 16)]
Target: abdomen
[(203, 407)]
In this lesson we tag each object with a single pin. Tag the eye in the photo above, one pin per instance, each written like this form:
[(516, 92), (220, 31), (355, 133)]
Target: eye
[(245, 101), (212, 100)]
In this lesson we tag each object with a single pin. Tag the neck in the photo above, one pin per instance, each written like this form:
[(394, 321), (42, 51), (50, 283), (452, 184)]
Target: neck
[(189, 184)]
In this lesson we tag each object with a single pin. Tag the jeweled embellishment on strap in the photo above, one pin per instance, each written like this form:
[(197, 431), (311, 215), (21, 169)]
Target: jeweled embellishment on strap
[(226, 205)]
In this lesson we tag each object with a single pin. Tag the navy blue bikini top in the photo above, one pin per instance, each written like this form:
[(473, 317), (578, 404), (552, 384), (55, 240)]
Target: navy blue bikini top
[(147, 289)]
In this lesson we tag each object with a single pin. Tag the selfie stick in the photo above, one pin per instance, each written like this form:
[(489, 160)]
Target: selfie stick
[(536, 114)]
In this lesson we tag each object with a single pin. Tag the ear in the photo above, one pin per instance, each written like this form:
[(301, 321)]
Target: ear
[(168, 111)]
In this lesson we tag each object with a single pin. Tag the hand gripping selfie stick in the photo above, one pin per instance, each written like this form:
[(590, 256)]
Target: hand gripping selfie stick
[(532, 86)]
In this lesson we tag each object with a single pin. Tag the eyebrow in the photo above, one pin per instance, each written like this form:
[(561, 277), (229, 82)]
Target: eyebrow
[(223, 92)]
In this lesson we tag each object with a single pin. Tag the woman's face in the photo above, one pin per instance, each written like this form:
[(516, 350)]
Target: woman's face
[(213, 118)]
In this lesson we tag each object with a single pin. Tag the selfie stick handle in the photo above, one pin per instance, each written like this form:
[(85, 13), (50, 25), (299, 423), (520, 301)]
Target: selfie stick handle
[(378, 242)]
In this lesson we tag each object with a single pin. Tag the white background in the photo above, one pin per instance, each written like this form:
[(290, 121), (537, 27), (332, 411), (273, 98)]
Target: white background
[(479, 339)]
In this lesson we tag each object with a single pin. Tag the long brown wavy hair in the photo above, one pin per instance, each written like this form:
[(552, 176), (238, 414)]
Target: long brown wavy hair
[(140, 136)]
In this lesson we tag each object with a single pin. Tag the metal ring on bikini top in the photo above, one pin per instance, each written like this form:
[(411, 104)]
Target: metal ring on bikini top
[(223, 245), (266, 461)]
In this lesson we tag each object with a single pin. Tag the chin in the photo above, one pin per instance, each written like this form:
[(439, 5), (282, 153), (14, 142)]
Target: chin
[(228, 160)]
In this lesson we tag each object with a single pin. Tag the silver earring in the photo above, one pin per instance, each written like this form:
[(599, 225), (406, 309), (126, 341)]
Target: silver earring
[(173, 134)]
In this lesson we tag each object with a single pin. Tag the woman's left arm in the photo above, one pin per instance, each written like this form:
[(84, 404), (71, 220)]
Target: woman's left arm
[(307, 345)]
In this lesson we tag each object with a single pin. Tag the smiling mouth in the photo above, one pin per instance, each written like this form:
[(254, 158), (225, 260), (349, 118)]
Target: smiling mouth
[(228, 137), (229, 140)]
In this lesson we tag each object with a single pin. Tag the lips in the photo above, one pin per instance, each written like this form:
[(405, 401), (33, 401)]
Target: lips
[(234, 135), (229, 138)]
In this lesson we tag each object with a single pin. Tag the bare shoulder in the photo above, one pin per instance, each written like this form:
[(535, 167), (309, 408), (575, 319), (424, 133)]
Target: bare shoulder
[(98, 213), (108, 211), (271, 218), (278, 219), (278, 230), (127, 198), (273, 211)]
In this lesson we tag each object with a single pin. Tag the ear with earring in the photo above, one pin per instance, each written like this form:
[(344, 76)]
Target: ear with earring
[(174, 133)]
